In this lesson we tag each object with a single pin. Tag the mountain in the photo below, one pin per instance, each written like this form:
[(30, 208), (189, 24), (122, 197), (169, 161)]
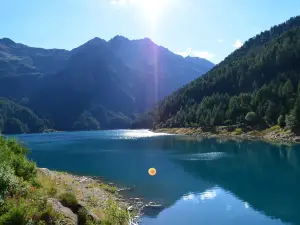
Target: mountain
[(15, 118), (258, 84), (94, 85), (18, 59), (168, 70)]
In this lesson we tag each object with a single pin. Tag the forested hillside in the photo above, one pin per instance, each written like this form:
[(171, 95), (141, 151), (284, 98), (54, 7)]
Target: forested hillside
[(15, 118), (257, 85), (99, 85)]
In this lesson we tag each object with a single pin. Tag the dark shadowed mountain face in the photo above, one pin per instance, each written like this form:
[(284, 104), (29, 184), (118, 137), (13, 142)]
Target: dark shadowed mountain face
[(101, 81), (18, 59)]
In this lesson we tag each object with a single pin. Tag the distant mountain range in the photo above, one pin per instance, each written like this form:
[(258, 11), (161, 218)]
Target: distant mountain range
[(100, 84)]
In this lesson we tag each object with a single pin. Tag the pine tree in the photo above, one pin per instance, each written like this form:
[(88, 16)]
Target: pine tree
[(288, 89), (251, 117), (281, 120)]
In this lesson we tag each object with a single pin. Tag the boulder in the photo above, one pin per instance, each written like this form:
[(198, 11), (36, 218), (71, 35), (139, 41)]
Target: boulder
[(84, 214), (69, 218)]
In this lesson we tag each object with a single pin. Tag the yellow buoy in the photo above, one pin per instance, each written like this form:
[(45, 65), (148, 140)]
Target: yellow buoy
[(152, 171)]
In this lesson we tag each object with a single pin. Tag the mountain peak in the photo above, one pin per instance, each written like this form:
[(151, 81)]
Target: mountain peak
[(96, 40), (118, 38), (7, 41)]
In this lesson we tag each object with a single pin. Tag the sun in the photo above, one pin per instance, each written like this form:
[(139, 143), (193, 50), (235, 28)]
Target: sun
[(153, 8)]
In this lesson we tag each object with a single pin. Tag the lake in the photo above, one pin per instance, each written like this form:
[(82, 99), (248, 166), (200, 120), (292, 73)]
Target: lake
[(198, 181)]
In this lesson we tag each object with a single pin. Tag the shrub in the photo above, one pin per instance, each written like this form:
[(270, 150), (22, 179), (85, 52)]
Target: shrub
[(114, 215), (238, 131), (8, 181), (24, 168), (69, 200), (14, 155), (281, 121), (251, 117), (16, 215), (227, 122), (82, 216), (274, 128), (16, 147), (108, 188), (49, 216), (291, 121)]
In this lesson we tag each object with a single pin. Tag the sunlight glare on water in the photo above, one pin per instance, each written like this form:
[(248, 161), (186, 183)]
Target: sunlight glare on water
[(133, 134)]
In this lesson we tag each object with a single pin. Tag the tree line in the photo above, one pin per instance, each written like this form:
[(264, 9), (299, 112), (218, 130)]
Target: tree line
[(257, 85)]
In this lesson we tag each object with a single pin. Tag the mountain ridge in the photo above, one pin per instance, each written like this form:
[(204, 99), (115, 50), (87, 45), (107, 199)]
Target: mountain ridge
[(91, 83), (256, 85)]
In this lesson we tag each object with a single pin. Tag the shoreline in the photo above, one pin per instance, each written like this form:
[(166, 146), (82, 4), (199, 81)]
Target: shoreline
[(93, 193), (272, 135)]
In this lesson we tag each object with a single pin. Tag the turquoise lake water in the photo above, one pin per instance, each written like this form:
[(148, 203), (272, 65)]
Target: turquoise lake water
[(198, 181)]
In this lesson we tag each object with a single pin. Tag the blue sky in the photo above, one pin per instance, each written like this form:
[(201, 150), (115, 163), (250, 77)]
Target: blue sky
[(207, 28)]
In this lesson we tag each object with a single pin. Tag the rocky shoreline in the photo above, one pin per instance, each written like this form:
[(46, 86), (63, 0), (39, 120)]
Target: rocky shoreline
[(274, 135), (92, 194)]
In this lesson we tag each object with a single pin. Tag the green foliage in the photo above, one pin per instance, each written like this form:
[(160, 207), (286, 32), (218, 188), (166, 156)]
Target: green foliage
[(281, 120), (114, 215), (24, 168), (86, 122), (143, 121), (84, 218), (118, 121), (227, 122), (109, 188), (291, 121), (69, 200), (8, 181), (20, 211), (22, 199), (238, 131), (251, 117), (16, 215), (14, 126), (268, 62), (14, 156), (15, 118)]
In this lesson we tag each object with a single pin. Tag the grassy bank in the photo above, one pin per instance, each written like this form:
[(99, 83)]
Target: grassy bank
[(274, 134), (29, 195)]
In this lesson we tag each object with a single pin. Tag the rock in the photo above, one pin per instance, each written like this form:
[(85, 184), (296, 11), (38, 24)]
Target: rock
[(297, 139), (84, 213), (124, 189), (93, 217), (153, 205), (69, 218), (83, 179), (130, 208), (45, 171)]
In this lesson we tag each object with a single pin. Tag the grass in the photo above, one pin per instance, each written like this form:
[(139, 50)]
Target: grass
[(114, 215), (108, 188), (93, 201), (69, 200), (237, 131), (274, 128), (255, 133), (24, 191)]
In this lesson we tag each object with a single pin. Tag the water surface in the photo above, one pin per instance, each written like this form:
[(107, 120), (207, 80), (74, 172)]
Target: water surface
[(198, 181)]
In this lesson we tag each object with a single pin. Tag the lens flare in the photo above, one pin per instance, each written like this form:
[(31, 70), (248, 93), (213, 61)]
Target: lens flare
[(152, 171)]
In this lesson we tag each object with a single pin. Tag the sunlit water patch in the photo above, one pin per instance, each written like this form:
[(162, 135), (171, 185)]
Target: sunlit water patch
[(202, 156)]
